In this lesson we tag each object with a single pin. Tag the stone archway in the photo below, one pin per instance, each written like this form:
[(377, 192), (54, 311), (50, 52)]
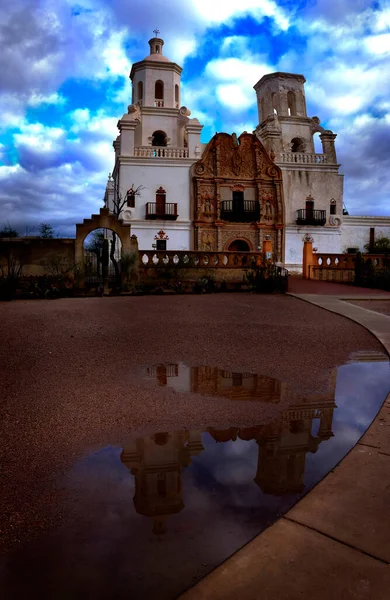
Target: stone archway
[(104, 220), (239, 245)]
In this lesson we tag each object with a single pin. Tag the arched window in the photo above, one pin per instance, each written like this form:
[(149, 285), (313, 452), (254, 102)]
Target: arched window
[(262, 109), (159, 138), (274, 104), (177, 96), (333, 207), (297, 145), (291, 104), (140, 91), (159, 89), (130, 197)]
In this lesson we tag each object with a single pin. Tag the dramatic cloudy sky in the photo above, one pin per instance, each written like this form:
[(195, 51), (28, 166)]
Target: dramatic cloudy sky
[(64, 69)]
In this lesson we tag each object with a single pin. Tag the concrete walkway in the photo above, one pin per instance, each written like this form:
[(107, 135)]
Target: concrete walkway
[(335, 542)]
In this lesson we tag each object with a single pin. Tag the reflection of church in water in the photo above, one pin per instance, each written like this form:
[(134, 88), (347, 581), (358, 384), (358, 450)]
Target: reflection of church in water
[(157, 461)]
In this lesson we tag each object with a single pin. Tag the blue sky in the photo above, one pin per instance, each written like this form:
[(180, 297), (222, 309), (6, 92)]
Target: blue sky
[(64, 84)]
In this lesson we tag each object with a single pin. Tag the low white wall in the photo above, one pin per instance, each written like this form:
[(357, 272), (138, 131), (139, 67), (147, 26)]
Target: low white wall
[(355, 231), (326, 239)]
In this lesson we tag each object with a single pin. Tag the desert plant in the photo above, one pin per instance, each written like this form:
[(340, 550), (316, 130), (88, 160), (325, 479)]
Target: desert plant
[(266, 277), (129, 264), (380, 245)]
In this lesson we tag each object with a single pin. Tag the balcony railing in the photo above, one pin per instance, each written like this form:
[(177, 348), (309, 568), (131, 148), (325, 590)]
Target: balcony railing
[(311, 217), (240, 212), (302, 158), (160, 152), (167, 211), (158, 103)]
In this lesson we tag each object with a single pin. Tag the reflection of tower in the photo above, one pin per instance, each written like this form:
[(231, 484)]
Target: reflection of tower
[(156, 462), (284, 444)]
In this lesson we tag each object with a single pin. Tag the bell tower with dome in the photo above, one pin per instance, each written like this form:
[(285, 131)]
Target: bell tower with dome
[(157, 144)]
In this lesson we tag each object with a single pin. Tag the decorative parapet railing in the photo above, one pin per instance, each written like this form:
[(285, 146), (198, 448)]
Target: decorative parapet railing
[(298, 414), (158, 103), (166, 211), (310, 217), (245, 212), (302, 158), (341, 267), (160, 152), (198, 260), (347, 261)]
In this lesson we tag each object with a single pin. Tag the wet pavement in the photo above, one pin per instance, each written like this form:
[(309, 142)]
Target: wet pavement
[(148, 516), (380, 306)]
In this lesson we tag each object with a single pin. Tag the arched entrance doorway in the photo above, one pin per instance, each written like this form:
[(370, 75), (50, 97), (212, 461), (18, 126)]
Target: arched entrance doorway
[(239, 246), (104, 220), (101, 256)]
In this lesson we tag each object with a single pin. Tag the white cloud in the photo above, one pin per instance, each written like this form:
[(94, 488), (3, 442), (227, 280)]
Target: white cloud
[(378, 44), (233, 95), (220, 12), (241, 75), (39, 99)]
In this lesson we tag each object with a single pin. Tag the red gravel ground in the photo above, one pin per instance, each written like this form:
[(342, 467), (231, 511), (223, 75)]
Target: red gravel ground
[(70, 382), (297, 285)]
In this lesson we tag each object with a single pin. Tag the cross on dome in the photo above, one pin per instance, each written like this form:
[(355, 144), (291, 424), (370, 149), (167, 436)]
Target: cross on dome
[(156, 31)]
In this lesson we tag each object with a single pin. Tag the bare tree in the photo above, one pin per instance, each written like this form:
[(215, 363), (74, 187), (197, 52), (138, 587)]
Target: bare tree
[(8, 232), (119, 203)]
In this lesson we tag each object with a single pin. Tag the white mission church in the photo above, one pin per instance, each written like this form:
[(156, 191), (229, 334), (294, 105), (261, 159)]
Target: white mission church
[(230, 193)]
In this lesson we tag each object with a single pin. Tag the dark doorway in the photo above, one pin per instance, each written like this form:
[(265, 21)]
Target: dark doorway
[(309, 210), (160, 204), (238, 203)]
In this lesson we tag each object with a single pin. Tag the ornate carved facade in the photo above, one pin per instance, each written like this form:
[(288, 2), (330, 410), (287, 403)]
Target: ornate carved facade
[(238, 196)]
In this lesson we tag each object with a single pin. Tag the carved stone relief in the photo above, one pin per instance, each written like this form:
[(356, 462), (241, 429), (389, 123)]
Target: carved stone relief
[(208, 240)]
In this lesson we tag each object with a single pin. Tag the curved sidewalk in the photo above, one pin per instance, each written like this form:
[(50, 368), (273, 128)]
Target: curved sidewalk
[(335, 542)]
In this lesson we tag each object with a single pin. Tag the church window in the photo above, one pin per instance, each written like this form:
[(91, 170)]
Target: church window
[(275, 104), (333, 206), (140, 91), (297, 145), (291, 104), (262, 109), (159, 90), (177, 95), (130, 197), (159, 138)]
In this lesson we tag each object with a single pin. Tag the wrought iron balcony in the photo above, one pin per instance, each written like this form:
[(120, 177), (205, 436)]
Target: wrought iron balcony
[(246, 211), (311, 217), (166, 211)]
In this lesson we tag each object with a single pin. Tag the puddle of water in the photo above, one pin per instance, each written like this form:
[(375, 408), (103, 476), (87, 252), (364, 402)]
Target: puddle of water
[(151, 517)]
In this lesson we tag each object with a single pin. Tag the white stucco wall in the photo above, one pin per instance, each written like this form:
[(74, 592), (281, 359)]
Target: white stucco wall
[(152, 173), (179, 234), (326, 239), (321, 184), (356, 230)]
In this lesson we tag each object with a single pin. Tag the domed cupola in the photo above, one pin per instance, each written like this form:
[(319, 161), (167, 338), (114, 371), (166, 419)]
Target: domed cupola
[(155, 79)]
